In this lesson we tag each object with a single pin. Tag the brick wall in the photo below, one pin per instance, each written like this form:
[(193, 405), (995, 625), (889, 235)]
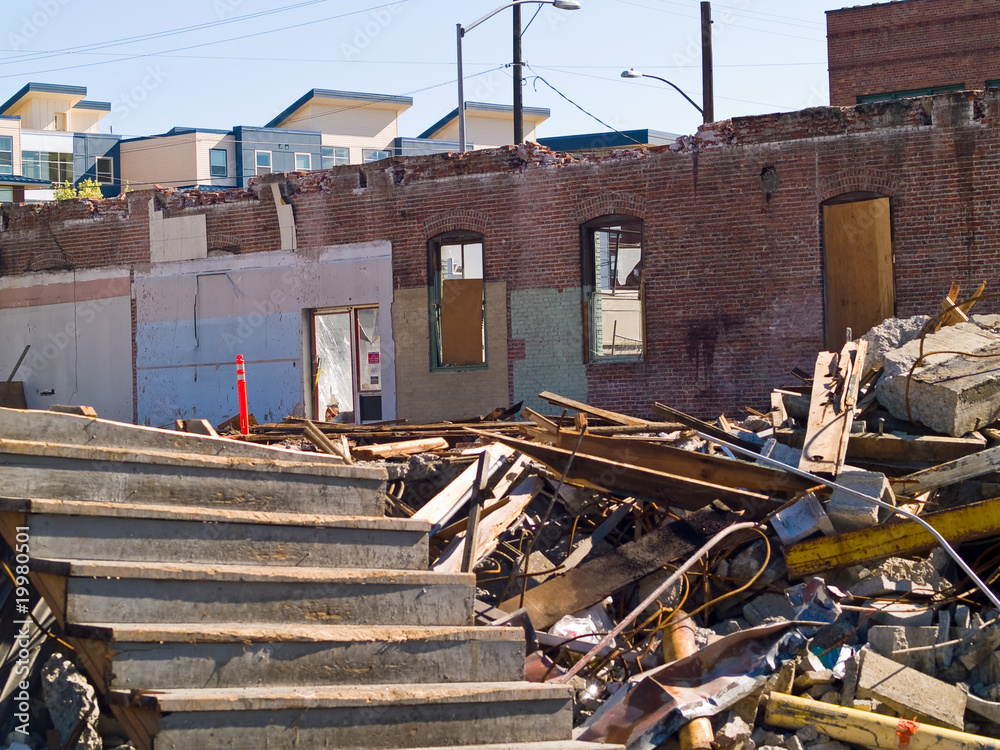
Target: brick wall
[(914, 44), (732, 231)]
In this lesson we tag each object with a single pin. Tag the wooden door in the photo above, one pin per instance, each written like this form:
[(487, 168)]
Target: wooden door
[(858, 268)]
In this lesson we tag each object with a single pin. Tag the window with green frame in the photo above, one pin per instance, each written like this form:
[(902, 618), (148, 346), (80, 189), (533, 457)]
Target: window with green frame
[(457, 300), (613, 287)]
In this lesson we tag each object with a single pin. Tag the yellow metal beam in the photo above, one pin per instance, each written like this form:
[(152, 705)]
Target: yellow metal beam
[(867, 729), (970, 522)]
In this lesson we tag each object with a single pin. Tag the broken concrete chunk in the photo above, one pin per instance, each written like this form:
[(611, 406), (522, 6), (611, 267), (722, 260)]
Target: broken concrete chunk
[(952, 394), (747, 563), (811, 678), (733, 734), (887, 639), (890, 335), (70, 700), (768, 607), (983, 644), (848, 512), (910, 693), (801, 519)]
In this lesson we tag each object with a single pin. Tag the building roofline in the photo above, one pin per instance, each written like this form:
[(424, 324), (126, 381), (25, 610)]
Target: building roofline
[(542, 112), (175, 131), (87, 104), (43, 88), (358, 96), (19, 180)]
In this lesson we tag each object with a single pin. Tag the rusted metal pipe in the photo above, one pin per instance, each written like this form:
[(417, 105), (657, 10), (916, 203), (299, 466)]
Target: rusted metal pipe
[(678, 642)]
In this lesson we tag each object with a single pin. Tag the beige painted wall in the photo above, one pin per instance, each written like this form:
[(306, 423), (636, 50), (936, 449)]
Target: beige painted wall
[(85, 120), (13, 129), (169, 161), (486, 131), (425, 396), (40, 114), (354, 125)]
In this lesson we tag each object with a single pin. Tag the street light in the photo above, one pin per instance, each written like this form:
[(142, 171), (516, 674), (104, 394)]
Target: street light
[(461, 31), (633, 73)]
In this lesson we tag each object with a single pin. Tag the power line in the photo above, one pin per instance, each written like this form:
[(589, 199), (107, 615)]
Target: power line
[(735, 25), (209, 44), (43, 54)]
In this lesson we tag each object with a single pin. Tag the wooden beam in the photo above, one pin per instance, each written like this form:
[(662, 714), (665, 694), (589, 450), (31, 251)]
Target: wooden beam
[(891, 447), (593, 581), (626, 479), (401, 448), (440, 508), (611, 416), (952, 472), (976, 521), (670, 460), (831, 408)]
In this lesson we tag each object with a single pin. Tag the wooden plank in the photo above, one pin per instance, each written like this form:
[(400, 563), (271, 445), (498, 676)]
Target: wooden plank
[(336, 447), (491, 527), (626, 479), (12, 395), (440, 508), (831, 409), (717, 470), (857, 267), (696, 424), (891, 447), (952, 472), (400, 448), (611, 416), (976, 521), (461, 313), (593, 581)]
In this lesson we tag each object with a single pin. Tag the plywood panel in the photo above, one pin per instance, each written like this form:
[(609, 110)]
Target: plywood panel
[(858, 262), (462, 322)]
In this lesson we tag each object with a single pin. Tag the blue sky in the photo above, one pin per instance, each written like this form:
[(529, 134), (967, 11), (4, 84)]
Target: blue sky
[(222, 63)]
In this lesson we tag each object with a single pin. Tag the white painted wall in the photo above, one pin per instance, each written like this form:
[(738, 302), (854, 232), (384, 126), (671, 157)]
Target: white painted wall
[(79, 326), (193, 318)]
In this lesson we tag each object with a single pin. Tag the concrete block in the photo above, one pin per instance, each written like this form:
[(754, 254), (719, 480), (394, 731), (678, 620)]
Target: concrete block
[(801, 519), (982, 645), (810, 679), (951, 394), (944, 654), (885, 639), (848, 512), (910, 693), (890, 335)]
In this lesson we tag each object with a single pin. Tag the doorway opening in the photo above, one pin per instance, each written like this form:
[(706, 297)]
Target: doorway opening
[(347, 367)]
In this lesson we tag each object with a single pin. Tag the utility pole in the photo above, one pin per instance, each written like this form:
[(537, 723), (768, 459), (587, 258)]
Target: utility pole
[(518, 94), (708, 95)]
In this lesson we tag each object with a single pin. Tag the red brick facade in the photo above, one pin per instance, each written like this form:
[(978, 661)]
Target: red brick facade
[(912, 44), (732, 232)]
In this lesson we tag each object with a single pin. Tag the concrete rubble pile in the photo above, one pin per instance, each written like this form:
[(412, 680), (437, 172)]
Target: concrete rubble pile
[(772, 582)]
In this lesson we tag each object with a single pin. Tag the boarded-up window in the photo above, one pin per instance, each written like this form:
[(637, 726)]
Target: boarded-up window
[(458, 296), (613, 287), (858, 267)]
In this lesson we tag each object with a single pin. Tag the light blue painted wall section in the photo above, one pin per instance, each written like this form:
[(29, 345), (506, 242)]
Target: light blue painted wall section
[(549, 323), (254, 305)]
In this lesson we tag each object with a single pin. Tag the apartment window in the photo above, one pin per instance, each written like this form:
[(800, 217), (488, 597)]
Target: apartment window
[(303, 162), (374, 154), (263, 162), (105, 170), (613, 287), (217, 162), (6, 195), (457, 300), (6, 154), (61, 122), (334, 156), (47, 165)]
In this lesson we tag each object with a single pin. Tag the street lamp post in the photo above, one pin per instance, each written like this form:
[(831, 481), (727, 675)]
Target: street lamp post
[(461, 31), (633, 73)]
